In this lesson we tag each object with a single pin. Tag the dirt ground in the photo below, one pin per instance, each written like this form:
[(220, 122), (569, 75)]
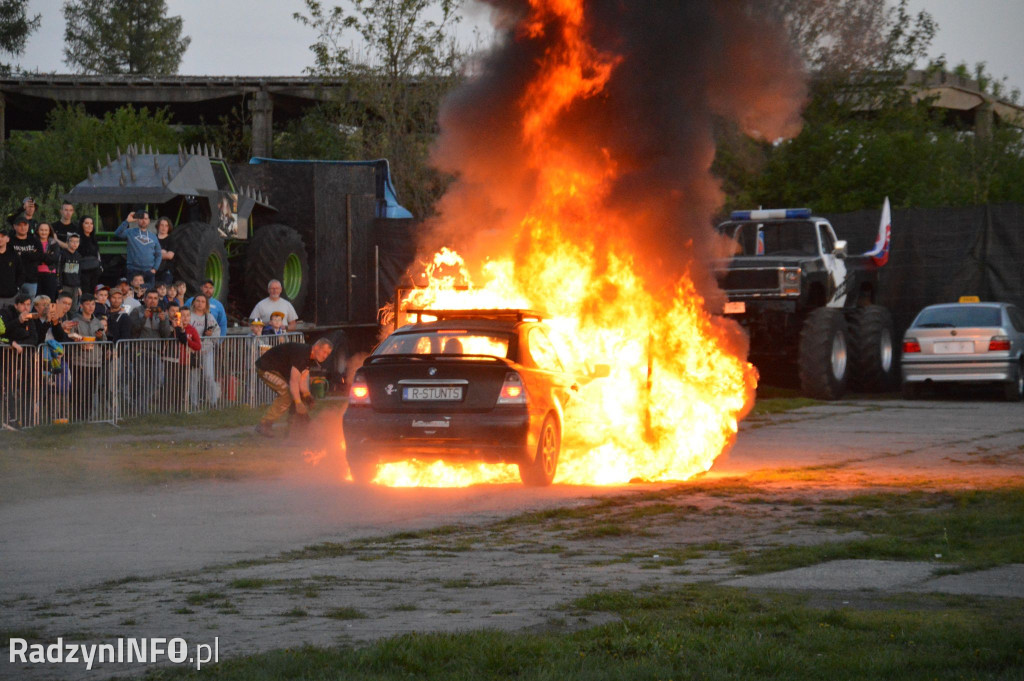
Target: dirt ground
[(197, 533)]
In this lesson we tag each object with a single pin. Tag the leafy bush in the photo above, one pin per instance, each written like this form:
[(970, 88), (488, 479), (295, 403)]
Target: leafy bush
[(73, 142)]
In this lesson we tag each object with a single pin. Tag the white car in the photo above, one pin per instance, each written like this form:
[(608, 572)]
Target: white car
[(967, 342)]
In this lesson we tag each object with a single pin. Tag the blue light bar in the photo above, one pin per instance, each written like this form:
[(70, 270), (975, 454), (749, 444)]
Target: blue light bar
[(772, 214)]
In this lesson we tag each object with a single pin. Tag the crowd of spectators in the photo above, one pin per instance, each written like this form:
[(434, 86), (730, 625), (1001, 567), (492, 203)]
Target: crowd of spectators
[(51, 294)]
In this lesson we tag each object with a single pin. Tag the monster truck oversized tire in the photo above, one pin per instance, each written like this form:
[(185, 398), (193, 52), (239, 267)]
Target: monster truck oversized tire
[(872, 357), (199, 254), (823, 354), (277, 252)]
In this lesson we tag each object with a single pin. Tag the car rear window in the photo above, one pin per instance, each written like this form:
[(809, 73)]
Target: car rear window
[(959, 316), (446, 342)]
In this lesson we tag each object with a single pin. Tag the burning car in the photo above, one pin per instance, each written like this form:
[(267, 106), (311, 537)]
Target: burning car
[(463, 385)]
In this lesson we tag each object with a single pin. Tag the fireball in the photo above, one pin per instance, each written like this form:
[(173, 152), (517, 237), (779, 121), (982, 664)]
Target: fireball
[(543, 147)]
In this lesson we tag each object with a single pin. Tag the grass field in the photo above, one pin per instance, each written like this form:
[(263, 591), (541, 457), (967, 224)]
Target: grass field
[(695, 632)]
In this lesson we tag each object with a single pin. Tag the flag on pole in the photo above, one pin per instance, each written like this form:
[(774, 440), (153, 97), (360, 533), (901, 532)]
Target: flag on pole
[(880, 252)]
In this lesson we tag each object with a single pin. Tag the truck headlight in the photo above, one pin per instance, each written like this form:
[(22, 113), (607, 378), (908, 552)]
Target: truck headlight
[(791, 281)]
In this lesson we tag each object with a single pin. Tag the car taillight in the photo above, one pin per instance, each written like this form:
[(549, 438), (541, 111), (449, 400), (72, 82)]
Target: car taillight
[(911, 345), (512, 390), (359, 393), (998, 343)]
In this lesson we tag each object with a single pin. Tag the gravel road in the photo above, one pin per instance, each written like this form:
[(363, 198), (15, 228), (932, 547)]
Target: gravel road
[(270, 562)]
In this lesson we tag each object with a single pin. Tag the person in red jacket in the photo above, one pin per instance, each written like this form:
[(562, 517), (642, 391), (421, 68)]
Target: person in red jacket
[(188, 353), (188, 336)]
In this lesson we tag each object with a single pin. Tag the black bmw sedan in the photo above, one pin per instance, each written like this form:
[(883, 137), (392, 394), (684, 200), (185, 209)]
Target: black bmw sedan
[(468, 385)]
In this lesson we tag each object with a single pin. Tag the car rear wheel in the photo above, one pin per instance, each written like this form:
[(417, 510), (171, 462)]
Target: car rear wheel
[(541, 471), (362, 465), (1014, 390), (823, 359)]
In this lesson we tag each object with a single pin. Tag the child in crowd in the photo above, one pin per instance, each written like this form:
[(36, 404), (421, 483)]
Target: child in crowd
[(69, 270), (276, 325), (102, 295), (167, 297), (178, 290)]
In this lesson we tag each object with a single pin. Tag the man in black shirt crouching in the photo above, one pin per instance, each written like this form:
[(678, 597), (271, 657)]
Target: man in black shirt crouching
[(285, 368)]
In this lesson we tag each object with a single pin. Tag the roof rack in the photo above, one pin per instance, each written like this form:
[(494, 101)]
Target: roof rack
[(495, 314)]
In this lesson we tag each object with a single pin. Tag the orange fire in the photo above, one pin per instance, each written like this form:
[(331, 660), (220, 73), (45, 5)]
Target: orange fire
[(678, 383)]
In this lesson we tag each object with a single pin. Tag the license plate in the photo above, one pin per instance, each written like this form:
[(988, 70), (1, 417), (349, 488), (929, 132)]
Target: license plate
[(441, 423), (432, 393), (738, 307), (954, 347)]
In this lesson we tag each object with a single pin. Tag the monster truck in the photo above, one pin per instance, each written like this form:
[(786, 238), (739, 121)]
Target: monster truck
[(219, 227), (807, 304)]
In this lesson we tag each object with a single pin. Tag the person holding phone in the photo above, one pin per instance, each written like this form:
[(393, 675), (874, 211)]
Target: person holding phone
[(17, 320), (60, 326), (144, 254), (149, 320), (41, 315)]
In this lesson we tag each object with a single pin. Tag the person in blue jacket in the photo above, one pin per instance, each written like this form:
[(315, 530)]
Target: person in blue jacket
[(144, 254)]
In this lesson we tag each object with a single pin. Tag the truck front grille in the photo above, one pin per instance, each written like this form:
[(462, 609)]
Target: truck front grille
[(751, 280)]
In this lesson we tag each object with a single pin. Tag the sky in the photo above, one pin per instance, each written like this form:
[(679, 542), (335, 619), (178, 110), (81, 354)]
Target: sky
[(260, 37)]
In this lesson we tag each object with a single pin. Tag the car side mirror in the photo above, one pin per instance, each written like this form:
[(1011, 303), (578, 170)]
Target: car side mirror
[(601, 371), (839, 249)]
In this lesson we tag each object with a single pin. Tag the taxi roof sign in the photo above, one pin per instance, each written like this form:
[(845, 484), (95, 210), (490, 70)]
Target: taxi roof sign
[(969, 299)]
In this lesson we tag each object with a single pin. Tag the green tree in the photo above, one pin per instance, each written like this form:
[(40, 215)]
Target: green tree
[(74, 142), (408, 63), (122, 36), (318, 135), (15, 28), (868, 133), (231, 134)]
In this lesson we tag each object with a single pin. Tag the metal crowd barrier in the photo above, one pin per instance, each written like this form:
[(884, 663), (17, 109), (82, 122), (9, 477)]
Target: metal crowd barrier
[(103, 382), (20, 376)]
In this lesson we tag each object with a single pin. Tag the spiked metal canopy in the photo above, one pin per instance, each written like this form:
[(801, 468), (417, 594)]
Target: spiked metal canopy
[(135, 177)]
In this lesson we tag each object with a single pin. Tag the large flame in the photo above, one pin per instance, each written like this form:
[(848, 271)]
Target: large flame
[(679, 380)]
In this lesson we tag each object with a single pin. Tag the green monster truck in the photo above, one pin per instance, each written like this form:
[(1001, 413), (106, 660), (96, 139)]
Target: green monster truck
[(806, 304), (219, 226)]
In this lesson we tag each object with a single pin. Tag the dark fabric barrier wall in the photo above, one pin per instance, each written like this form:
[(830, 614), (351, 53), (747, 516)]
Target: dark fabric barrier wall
[(940, 254), (396, 241), (334, 207)]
